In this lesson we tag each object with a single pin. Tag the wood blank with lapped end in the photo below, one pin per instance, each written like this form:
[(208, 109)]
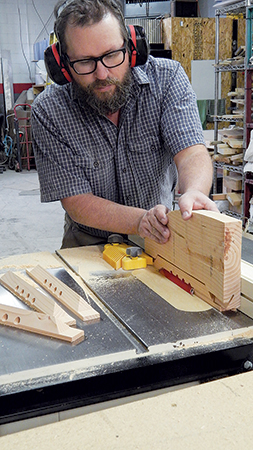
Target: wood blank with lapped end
[(65, 295), (204, 251), (34, 298), (39, 323)]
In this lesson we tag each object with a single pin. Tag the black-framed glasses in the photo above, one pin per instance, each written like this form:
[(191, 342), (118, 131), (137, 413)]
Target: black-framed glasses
[(89, 65)]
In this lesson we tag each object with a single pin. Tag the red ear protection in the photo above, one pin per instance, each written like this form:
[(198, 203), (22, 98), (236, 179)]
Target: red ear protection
[(54, 63), (57, 67), (139, 46)]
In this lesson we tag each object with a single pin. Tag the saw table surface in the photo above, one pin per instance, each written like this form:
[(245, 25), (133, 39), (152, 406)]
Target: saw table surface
[(141, 343)]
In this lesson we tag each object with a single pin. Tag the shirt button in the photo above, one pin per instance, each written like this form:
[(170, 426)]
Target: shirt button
[(129, 198), (96, 164), (152, 148), (124, 170)]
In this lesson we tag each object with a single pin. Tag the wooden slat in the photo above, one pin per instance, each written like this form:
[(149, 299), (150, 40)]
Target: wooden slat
[(64, 294), (34, 298), (205, 251), (39, 323), (247, 280)]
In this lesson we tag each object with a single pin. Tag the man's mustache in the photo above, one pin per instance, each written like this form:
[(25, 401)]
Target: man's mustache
[(102, 83)]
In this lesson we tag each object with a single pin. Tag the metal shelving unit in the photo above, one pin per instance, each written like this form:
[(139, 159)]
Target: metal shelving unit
[(235, 9), (248, 178)]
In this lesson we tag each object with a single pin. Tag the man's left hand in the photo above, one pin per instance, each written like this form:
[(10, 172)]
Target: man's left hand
[(194, 200)]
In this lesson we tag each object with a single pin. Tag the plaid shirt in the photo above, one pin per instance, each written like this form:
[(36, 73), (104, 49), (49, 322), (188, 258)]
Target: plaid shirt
[(79, 151)]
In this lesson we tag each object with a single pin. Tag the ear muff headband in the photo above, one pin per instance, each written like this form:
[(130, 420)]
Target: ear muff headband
[(133, 51), (138, 44), (60, 63), (58, 71)]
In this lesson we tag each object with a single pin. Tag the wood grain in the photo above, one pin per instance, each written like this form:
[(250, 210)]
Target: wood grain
[(39, 323), (205, 251), (34, 298), (69, 298)]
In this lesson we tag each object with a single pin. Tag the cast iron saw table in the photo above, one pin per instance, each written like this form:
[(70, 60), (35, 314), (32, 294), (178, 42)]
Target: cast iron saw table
[(141, 343)]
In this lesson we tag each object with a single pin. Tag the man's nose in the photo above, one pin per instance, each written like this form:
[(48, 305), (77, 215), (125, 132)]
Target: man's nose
[(101, 71)]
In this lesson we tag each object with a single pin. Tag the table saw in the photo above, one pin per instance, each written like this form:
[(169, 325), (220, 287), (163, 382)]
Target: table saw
[(141, 342)]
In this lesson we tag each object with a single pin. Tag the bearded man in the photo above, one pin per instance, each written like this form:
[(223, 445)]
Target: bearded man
[(112, 143)]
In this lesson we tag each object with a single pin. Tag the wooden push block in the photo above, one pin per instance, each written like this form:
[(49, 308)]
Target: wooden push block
[(204, 251)]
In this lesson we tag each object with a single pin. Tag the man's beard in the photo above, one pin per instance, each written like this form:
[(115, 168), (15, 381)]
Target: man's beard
[(106, 103)]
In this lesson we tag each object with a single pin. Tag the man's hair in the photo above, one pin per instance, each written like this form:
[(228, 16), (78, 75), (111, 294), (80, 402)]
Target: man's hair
[(79, 13)]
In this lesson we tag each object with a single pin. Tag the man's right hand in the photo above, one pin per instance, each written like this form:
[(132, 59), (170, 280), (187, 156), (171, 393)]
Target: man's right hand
[(154, 224)]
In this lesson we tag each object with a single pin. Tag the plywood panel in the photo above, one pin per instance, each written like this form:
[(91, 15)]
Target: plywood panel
[(194, 39)]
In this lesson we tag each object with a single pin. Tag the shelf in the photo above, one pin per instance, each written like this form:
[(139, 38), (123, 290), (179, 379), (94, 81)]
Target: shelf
[(229, 118), (230, 68), (235, 8), (233, 214), (237, 169)]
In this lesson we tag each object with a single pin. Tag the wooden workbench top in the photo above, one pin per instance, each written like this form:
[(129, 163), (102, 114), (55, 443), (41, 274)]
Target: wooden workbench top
[(215, 415)]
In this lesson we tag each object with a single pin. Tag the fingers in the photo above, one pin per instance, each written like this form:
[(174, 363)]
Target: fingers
[(153, 224), (194, 200)]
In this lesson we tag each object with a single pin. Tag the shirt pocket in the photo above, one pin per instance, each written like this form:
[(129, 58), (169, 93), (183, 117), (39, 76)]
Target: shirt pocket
[(99, 171), (147, 156)]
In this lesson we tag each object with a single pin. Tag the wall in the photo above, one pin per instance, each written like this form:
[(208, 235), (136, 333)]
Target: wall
[(24, 22)]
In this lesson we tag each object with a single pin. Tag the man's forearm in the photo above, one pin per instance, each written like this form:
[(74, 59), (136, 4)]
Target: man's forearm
[(96, 212), (195, 170)]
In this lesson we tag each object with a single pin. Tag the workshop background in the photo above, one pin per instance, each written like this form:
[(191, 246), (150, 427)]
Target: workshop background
[(160, 368), (181, 30)]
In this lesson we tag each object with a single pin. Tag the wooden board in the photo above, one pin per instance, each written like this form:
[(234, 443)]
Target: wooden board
[(34, 298), (39, 323), (64, 294), (247, 280), (205, 251)]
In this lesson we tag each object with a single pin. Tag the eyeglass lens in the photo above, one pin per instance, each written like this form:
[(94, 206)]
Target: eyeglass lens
[(110, 60)]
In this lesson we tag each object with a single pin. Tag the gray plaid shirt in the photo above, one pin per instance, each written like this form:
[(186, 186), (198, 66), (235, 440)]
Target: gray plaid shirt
[(78, 151)]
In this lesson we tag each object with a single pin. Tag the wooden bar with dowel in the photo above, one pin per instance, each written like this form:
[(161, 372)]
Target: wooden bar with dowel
[(39, 323), (34, 298), (65, 295), (204, 251)]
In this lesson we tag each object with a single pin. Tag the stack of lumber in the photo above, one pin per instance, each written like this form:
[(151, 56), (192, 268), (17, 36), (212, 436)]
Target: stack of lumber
[(230, 146)]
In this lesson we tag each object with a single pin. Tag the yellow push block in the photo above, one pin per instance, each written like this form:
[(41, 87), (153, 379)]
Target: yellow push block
[(113, 254), (128, 263), (119, 254)]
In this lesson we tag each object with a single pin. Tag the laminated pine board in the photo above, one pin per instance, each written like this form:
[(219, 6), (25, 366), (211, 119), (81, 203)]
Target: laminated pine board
[(205, 251)]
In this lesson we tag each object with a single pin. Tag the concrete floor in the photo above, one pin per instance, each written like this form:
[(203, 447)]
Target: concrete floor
[(26, 224)]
